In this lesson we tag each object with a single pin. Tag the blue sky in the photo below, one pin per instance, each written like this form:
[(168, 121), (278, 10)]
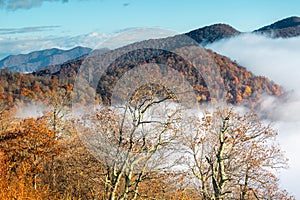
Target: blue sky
[(83, 16), (27, 25)]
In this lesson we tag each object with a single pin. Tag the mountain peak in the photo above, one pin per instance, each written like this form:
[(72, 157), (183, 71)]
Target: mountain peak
[(284, 23), (212, 33), (285, 28)]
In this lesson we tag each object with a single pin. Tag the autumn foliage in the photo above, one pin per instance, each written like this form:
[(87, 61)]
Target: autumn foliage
[(229, 156)]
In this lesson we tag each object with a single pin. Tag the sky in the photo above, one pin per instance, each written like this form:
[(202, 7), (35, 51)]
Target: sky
[(28, 25)]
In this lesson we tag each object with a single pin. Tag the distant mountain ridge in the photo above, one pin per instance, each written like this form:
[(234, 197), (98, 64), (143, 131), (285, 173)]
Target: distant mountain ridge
[(38, 59), (241, 85), (285, 28), (35, 61)]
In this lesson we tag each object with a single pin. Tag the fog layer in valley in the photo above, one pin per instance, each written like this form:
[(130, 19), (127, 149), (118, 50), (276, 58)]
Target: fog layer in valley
[(277, 59)]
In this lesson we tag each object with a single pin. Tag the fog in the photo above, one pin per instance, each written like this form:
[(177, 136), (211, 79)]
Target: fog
[(30, 110), (277, 59)]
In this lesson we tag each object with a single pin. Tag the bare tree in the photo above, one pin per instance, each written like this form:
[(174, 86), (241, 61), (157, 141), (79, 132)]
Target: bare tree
[(59, 103), (134, 141), (235, 157)]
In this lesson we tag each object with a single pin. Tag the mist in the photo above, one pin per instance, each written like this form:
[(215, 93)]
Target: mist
[(278, 60), (30, 110)]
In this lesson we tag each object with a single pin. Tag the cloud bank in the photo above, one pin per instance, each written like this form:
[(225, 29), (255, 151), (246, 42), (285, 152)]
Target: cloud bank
[(26, 44), (277, 59), (31, 29), (24, 4)]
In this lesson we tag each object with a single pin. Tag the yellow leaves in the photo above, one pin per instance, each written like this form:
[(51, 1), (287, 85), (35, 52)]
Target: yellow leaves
[(238, 98), (69, 87), (25, 148), (27, 93), (247, 91), (28, 144)]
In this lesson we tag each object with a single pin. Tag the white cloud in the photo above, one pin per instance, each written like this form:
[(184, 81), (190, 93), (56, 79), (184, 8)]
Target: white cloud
[(7, 31), (24, 4), (26, 44), (277, 59), (289, 140), (131, 35)]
